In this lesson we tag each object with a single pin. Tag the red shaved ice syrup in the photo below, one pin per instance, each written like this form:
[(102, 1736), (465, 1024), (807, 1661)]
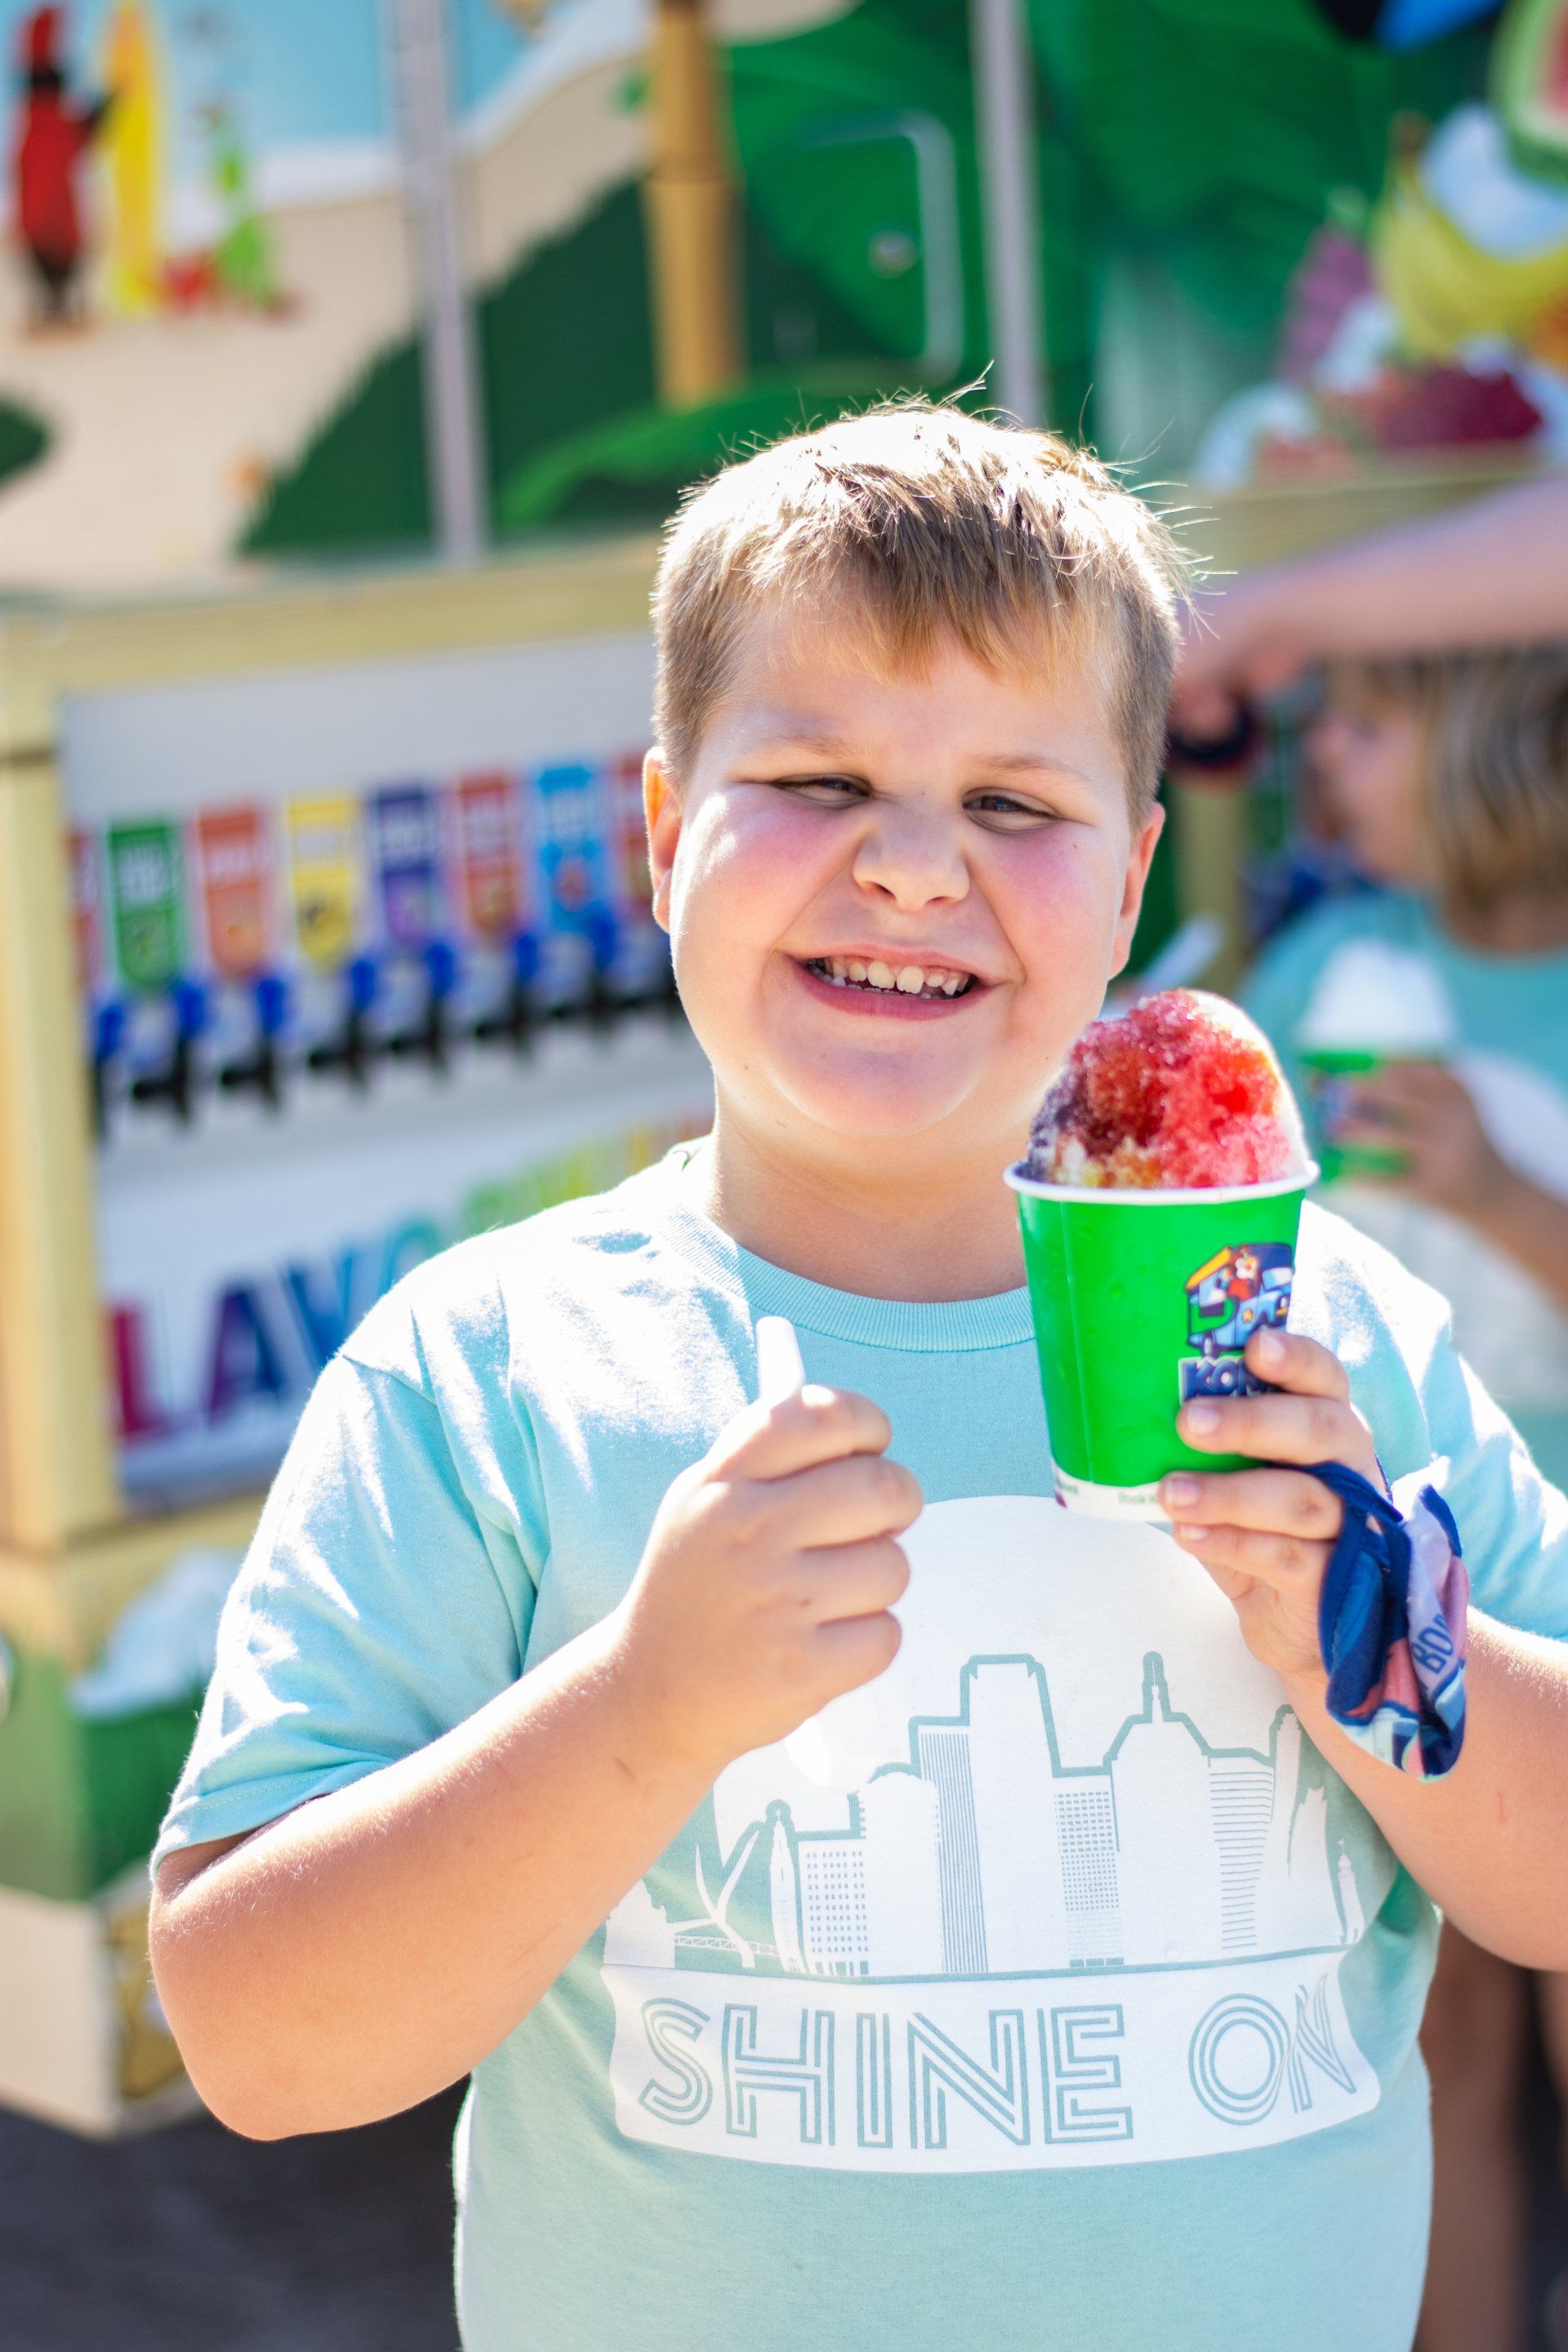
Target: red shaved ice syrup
[(1180, 1094)]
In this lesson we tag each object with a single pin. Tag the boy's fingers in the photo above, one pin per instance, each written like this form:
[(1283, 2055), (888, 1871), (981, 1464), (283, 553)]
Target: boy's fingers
[(1300, 1366), (1279, 1502), (856, 1650), (816, 1424), (856, 1579), (1286, 1562), (1304, 1429), (843, 1502)]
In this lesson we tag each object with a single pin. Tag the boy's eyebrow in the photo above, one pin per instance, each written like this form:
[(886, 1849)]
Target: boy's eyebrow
[(821, 737)]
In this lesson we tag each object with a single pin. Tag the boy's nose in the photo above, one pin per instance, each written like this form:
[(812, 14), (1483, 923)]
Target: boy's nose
[(911, 856)]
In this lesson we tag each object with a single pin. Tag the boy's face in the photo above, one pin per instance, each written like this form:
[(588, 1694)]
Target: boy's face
[(962, 835), (1368, 756)]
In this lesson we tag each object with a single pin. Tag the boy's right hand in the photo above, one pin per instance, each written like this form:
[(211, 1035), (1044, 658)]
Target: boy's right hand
[(769, 1573)]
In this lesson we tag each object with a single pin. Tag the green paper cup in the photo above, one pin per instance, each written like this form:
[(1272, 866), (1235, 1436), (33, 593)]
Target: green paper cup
[(1142, 1300), (1327, 1068)]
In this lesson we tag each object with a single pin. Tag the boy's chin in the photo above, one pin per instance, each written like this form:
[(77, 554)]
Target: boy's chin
[(887, 1114)]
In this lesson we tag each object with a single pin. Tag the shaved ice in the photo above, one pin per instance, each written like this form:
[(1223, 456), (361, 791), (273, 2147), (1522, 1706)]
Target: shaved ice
[(1180, 1093)]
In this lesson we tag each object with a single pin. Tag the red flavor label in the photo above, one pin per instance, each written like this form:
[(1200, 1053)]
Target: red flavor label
[(489, 862), (231, 855)]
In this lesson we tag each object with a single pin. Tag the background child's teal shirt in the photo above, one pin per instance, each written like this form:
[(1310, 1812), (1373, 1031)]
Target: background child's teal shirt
[(1511, 1015), (1084, 2015)]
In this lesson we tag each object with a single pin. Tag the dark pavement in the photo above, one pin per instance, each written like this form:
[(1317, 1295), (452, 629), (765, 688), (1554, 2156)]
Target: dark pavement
[(193, 2241)]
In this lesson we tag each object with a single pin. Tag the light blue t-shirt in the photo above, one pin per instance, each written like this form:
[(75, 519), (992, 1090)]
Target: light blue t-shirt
[(1058, 1995), (1511, 1049)]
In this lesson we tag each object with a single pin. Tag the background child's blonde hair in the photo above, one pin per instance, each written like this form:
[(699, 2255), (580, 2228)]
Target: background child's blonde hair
[(1494, 770), (918, 523)]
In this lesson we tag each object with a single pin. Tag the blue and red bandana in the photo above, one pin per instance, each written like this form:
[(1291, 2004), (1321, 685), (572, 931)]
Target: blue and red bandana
[(1392, 1624)]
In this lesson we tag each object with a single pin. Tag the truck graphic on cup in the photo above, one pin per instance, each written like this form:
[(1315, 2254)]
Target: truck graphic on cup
[(1237, 1291)]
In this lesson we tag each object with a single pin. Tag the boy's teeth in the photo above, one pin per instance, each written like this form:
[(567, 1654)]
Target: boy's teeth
[(907, 980)]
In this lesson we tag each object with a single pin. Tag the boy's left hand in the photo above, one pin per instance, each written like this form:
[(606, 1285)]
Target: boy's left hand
[(1265, 1535)]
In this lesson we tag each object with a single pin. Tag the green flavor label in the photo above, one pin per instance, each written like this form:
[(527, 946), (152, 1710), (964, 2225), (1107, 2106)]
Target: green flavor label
[(146, 903)]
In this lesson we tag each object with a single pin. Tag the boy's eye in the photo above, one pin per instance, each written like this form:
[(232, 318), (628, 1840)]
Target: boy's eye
[(827, 791), (1005, 813)]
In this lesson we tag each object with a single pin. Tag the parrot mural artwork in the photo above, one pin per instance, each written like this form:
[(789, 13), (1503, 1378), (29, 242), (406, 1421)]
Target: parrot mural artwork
[(57, 131)]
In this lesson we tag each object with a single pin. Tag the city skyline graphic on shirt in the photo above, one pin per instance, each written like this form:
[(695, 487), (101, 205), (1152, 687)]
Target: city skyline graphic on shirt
[(986, 1855)]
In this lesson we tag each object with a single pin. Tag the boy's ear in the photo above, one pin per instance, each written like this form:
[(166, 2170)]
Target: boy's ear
[(1138, 859), (661, 810)]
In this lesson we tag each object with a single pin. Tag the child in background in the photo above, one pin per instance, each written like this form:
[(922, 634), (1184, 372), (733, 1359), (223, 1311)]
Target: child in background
[(1448, 781), (1070, 1997)]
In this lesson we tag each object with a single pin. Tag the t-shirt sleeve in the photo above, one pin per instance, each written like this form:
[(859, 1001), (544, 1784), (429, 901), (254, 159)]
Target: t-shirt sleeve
[(384, 1598), (1430, 1413)]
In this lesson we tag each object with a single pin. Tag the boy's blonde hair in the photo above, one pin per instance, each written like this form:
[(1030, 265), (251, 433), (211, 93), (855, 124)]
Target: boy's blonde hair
[(1494, 770), (927, 524)]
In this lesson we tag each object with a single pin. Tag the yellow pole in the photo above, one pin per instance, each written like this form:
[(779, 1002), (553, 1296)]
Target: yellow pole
[(57, 1460), (134, 161), (690, 197)]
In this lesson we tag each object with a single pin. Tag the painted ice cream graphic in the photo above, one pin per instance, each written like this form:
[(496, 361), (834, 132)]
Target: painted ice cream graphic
[(1374, 997), (1088, 1904)]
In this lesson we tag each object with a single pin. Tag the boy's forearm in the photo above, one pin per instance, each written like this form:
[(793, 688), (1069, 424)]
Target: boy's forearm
[(1489, 573), (1488, 1842), (370, 1948)]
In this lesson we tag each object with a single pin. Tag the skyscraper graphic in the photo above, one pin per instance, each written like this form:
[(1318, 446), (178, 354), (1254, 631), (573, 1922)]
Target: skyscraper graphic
[(1296, 1902), (1241, 1793), (986, 1853), (1011, 1766), (1086, 1840), (901, 1824), (833, 1904), (1349, 1898), (1170, 1862), (786, 1896), (941, 1753)]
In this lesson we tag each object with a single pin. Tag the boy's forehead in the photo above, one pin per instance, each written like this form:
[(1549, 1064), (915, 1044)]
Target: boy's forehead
[(822, 676), (824, 684)]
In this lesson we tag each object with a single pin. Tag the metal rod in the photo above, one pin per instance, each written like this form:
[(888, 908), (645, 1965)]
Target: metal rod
[(1004, 139), (416, 37)]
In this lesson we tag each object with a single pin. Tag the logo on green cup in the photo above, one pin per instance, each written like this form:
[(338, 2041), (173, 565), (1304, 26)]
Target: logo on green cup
[(1241, 1289)]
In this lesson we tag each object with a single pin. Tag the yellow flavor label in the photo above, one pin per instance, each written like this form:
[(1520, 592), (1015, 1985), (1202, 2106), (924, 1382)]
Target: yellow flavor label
[(324, 875)]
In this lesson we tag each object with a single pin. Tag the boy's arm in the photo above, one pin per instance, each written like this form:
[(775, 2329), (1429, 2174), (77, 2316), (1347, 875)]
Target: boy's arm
[(1429, 1113), (372, 1946), (1489, 1840), (1488, 574)]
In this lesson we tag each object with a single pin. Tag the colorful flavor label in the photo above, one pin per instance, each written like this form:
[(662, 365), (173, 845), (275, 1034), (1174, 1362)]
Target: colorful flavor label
[(146, 893), (231, 854), (489, 855), (404, 831), (87, 919), (571, 843), (322, 834)]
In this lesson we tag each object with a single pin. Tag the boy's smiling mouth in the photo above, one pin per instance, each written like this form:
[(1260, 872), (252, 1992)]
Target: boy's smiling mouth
[(890, 983)]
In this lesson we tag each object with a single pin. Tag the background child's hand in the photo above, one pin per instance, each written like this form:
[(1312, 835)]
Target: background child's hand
[(1427, 1113), (769, 1573), (1265, 1535)]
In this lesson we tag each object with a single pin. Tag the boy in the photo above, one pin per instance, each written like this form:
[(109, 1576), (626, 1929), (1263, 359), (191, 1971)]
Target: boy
[(921, 2033)]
